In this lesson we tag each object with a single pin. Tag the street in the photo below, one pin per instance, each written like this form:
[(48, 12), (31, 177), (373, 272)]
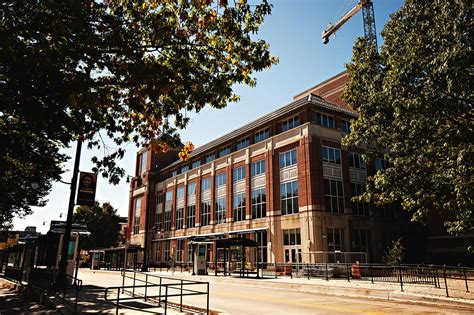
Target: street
[(239, 299)]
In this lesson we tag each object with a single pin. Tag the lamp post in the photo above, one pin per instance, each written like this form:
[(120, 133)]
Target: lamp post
[(60, 282)]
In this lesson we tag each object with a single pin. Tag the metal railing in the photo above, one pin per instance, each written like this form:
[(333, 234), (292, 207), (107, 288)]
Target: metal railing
[(431, 275), (156, 289), (72, 284)]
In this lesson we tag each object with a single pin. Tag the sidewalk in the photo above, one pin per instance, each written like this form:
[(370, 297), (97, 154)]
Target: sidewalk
[(11, 302)]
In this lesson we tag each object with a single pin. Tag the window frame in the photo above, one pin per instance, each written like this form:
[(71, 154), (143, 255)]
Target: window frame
[(286, 200)]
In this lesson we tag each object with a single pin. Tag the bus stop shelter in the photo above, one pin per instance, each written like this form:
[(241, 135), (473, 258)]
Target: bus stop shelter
[(242, 243)]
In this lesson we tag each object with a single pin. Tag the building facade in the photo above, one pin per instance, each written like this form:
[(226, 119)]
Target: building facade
[(284, 180)]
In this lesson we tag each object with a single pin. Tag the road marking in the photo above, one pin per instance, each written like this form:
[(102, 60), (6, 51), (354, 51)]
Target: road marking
[(298, 303)]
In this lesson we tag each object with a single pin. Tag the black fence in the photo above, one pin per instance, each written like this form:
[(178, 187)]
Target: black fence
[(158, 290), (431, 275)]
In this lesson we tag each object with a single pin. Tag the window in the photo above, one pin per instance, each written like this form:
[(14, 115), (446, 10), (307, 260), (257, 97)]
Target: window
[(195, 164), (345, 126), (289, 197), (334, 196), (243, 143), (262, 135), (168, 208), (288, 158), (239, 173), (335, 237), (224, 151), (356, 160), (180, 193), (179, 250), (220, 210), (325, 120), (158, 212), (261, 238), (184, 169), (191, 216), (359, 208), (331, 155), (179, 218), (210, 157), (143, 160), (205, 212), (191, 188), (136, 223), (239, 207), (205, 184), (381, 164), (259, 205), (220, 180), (387, 211), (167, 250), (174, 173), (290, 123), (292, 237), (189, 253), (362, 240), (258, 167)]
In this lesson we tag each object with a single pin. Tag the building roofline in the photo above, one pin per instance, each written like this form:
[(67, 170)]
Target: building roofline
[(297, 96), (311, 99)]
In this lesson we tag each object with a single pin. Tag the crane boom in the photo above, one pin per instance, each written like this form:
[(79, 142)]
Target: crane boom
[(369, 22)]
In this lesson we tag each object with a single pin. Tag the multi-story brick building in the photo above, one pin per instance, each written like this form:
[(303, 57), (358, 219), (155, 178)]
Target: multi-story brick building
[(283, 179)]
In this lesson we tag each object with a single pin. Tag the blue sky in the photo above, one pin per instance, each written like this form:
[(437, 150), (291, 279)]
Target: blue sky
[(294, 33)]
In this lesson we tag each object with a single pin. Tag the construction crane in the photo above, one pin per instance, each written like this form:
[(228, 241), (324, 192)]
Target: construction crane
[(369, 22)]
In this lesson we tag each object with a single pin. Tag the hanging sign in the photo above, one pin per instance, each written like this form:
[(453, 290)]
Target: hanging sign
[(86, 189)]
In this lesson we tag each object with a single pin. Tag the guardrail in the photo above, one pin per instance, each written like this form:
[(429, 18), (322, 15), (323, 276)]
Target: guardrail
[(165, 288)]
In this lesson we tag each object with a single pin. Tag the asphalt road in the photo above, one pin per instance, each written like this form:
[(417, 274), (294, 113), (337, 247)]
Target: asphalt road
[(239, 299)]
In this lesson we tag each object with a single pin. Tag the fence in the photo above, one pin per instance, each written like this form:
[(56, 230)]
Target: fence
[(430, 275), (156, 289)]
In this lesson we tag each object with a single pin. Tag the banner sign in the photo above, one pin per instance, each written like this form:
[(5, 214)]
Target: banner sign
[(86, 189)]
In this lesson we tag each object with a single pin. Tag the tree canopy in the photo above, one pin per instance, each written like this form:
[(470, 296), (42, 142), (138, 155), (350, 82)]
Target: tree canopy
[(70, 70), (415, 104), (102, 222)]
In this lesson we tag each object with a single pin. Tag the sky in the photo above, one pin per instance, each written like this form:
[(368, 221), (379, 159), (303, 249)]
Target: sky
[(293, 31)]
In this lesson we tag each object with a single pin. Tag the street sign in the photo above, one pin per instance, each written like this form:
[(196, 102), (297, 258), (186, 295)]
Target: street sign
[(86, 189)]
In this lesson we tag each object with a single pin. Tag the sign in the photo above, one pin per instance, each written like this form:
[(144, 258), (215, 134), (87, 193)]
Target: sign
[(86, 189)]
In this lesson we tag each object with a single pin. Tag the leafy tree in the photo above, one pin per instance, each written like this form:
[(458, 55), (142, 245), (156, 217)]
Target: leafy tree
[(131, 69), (415, 103), (395, 253), (102, 222)]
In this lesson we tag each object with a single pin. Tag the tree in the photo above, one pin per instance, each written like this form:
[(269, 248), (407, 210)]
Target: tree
[(102, 222), (70, 70), (394, 254), (415, 104)]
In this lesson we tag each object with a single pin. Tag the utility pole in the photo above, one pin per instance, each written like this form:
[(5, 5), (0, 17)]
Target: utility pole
[(61, 279)]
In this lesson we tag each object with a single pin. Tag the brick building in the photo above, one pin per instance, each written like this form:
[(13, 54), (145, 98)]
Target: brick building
[(283, 179)]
